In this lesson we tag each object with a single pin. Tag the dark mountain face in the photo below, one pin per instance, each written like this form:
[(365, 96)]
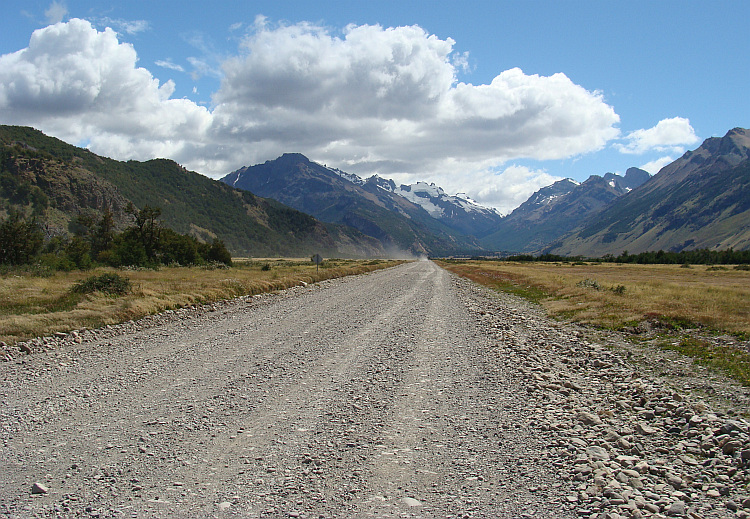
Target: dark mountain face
[(555, 210), (634, 177), (372, 206), (75, 181), (701, 200)]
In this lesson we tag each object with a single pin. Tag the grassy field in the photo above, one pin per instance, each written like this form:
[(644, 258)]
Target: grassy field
[(714, 300), (34, 306)]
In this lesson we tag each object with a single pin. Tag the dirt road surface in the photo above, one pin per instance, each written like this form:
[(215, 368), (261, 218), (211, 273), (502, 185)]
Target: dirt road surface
[(384, 395)]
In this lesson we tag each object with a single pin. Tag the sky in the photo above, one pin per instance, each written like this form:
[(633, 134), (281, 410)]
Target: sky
[(491, 98)]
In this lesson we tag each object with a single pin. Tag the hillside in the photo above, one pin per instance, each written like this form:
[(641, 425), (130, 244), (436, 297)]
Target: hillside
[(556, 210), (333, 196), (75, 181), (701, 200)]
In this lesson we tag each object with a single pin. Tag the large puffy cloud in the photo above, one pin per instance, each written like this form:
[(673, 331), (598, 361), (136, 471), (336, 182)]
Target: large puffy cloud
[(83, 85), (668, 135), (368, 100), (386, 100)]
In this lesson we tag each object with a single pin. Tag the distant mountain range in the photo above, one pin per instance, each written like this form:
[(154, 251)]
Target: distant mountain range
[(293, 206), (556, 210), (701, 200), (425, 221)]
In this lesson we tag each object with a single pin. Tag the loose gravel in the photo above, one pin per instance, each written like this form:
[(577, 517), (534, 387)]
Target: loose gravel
[(406, 392)]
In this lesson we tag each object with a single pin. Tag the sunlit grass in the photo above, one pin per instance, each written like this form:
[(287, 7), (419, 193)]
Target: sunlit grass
[(39, 306), (732, 361), (627, 294)]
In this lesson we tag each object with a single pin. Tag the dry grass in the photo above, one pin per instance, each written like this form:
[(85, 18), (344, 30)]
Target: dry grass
[(627, 294), (39, 306), (622, 296)]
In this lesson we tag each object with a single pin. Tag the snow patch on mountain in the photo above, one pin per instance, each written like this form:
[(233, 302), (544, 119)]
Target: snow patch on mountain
[(428, 196), (351, 177)]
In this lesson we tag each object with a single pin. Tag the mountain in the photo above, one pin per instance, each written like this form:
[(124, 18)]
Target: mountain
[(373, 206), (556, 210), (57, 182), (701, 200), (458, 212)]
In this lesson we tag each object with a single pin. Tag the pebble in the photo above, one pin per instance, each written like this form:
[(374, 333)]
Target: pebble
[(618, 442), (38, 488)]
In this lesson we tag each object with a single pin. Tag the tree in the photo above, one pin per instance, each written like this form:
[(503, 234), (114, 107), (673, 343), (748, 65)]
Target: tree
[(104, 233), (20, 240), (218, 252), (147, 228), (77, 250)]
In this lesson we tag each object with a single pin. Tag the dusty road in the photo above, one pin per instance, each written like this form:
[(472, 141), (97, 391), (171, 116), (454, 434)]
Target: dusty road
[(370, 396), (401, 393)]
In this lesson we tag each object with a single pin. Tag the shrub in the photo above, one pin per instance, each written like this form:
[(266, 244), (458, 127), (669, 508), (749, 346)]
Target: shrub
[(589, 283), (111, 283), (218, 252)]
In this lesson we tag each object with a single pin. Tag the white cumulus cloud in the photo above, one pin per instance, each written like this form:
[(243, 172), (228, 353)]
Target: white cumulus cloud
[(654, 166), (386, 100), (369, 100), (669, 135), (80, 84)]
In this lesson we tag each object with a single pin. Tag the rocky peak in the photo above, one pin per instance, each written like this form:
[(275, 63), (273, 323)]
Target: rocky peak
[(634, 177)]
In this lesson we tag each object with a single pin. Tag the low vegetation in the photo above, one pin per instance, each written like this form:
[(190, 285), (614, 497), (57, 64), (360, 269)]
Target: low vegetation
[(94, 243), (33, 305), (660, 299), (619, 296), (108, 283)]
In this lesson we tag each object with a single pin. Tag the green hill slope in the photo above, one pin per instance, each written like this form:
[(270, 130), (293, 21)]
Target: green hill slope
[(76, 181)]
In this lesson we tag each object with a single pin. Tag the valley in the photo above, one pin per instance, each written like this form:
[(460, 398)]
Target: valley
[(404, 391)]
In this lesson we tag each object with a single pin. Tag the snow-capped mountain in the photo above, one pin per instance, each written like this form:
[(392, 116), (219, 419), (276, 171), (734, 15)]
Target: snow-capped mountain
[(372, 206), (559, 208), (457, 211)]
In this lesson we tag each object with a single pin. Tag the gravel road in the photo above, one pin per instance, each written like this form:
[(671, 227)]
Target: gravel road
[(401, 393)]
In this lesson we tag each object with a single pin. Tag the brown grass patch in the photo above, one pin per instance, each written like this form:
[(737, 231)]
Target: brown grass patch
[(40, 306), (626, 294)]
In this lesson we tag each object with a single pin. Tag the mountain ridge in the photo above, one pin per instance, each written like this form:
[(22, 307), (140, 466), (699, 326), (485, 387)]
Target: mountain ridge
[(371, 205), (555, 210), (190, 203), (701, 200)]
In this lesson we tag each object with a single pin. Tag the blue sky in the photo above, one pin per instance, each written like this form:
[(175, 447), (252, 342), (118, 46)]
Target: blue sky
[(491, 98)]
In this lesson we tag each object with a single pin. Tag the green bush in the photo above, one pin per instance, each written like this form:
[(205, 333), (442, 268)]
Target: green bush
[(110, 283)]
